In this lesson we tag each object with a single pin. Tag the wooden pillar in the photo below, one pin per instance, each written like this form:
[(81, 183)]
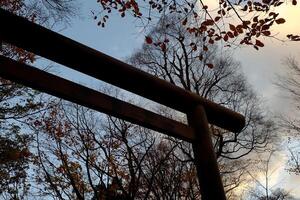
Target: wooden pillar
[(211, 186)]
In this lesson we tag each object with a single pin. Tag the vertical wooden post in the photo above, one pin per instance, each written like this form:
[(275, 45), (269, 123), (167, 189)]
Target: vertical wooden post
[(211, 186), (1, 42)]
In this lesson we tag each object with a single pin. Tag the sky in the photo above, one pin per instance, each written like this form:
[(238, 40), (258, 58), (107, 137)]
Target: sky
[(120, 38)]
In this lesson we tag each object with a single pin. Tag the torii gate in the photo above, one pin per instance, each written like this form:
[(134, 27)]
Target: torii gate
[(34, 38)]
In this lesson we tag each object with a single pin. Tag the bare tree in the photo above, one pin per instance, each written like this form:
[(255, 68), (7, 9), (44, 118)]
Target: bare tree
[(85, 155), (289, 84), (214, 75), (263, 190)]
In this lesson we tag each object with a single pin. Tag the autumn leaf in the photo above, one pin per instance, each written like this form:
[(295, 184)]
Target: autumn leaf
[(148, 40), (184, 21), (265, 27), (217, 18), (255, 19), (194, 48), (200, 57), (294, 2), (230, 34), (239, 29), (245, 24), (210, 22), (266, 1), (280, 21), (211, 41), (259, 43), (232, 27), (163, 47), (266, 33), (225, 38), (209, 65)]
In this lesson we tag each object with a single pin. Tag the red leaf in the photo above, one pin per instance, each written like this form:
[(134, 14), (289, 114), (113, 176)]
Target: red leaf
[(209, 65), (148, 40), (163, 47)]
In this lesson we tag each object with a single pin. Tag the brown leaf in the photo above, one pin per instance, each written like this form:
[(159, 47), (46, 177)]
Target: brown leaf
[(210, 22), (225, 38), (259, 43), (266, 1), (239, 29), (184, 21), (217, 18), (265, 27), (280, 21), (232, 27), (255, 19), (266, 33), (200, 57), (230, 34), (245, 24), (245, 8), (279, 3), (194, 48)]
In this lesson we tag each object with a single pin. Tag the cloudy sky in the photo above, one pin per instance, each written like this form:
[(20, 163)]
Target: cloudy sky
[(121, 37)]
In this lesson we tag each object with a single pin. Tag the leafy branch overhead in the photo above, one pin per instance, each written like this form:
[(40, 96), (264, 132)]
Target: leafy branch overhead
[(233, 23)]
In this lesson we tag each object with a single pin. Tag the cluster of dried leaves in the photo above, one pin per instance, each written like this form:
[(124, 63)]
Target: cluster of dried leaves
[(230, 23)]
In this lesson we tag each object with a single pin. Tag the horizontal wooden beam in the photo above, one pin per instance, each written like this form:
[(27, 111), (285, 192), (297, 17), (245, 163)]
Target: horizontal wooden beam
[(59, 87), (46, 43)]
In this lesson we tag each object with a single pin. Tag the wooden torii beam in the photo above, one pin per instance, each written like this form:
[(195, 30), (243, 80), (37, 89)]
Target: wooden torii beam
[(19, 32)]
